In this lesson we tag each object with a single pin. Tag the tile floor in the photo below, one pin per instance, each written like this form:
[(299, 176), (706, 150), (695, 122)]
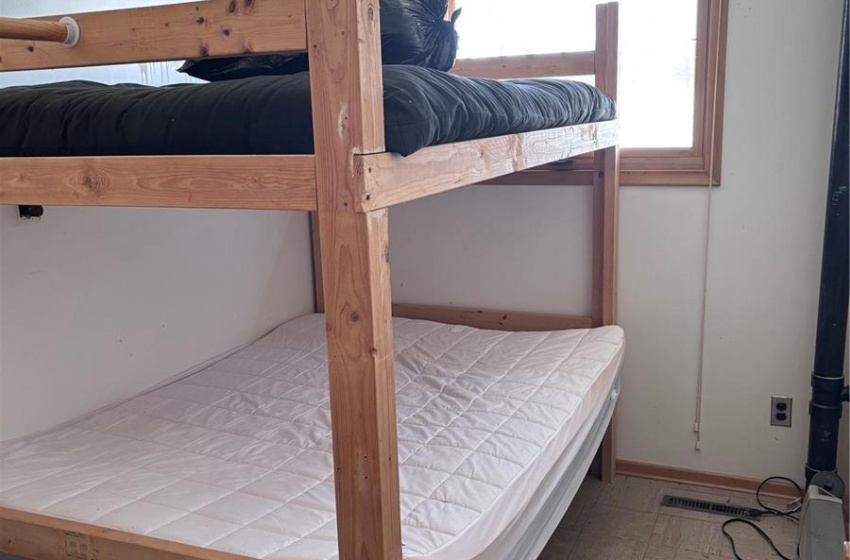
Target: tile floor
[(625, 521)]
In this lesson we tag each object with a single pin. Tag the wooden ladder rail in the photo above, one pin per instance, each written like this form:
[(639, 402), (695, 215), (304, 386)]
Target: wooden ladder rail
[(64, 31), (347, 98)]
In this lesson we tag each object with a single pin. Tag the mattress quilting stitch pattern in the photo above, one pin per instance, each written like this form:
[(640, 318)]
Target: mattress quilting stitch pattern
[(238, 456)]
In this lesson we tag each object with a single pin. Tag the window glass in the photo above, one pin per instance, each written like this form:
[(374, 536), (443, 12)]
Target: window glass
[(657, 54)]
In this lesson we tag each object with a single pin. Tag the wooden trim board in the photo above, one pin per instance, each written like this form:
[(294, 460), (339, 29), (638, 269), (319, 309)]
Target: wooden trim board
[(389, 179), (491, 319), (701, 478), (172, 32), (709, 85), (41, 537), (249, 182)]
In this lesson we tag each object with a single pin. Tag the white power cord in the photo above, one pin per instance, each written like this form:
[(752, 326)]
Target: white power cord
[(707, 247)]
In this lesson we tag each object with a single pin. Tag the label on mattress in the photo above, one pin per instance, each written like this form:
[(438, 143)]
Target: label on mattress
[(77, 546)]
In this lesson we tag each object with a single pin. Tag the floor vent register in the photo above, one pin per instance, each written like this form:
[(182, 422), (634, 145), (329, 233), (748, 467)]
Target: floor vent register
[(710, 507)]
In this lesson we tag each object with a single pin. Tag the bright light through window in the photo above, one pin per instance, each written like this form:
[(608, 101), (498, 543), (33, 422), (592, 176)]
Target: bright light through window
[(657, 54)]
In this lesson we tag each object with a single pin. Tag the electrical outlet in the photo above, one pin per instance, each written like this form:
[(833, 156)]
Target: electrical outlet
[(780, 411)]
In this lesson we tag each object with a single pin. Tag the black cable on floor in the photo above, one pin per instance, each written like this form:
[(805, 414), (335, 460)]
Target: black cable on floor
[(766, 510), (772, 511)]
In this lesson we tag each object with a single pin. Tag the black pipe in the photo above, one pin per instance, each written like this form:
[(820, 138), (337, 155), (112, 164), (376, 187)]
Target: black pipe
[(828, 372)]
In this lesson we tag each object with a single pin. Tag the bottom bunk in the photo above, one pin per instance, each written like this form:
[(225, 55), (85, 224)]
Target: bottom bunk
[(496, 431)]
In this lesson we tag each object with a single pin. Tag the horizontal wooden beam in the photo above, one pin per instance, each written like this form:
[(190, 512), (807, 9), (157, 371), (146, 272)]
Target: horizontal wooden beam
[(389, 179), (258, 182), (528, 66), (584, 177), (211, 28), (31, 535), (491, 319)]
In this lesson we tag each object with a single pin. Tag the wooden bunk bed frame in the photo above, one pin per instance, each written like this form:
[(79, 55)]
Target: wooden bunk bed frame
[(348, 184)]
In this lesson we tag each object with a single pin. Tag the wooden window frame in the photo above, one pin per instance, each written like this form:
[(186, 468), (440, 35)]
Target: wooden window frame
[(694, 166)]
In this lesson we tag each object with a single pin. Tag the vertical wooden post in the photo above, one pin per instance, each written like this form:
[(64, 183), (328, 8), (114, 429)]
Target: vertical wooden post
[(606, 186), (345, 78)]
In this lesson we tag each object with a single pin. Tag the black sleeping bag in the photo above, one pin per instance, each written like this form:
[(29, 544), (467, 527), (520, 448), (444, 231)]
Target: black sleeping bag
[(412, 32), (272, 114)]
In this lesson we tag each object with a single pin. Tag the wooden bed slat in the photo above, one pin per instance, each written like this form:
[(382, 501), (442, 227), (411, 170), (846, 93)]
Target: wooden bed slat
[(250, 182), (41, 537), (171, 32), (491, 319), (537, 65), (389, 179)]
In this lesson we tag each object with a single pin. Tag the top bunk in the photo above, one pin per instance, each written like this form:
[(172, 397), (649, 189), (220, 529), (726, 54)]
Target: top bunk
[(250, 142)]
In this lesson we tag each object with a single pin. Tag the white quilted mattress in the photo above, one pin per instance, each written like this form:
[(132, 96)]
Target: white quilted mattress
[(237, 457)]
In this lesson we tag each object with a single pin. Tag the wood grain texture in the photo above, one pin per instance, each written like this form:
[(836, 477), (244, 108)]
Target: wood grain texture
[(347, 101), (527, 66), (606, 177), (259, 182), (389, 179), (171, 32), (703, 478), (637, 168), (33, 30), (491, 319), (606, 194), (605, 231), (582, 177), (41, 537)]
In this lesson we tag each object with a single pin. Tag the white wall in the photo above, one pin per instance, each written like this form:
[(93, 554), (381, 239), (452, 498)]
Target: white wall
[(763, 276), (99, 304)]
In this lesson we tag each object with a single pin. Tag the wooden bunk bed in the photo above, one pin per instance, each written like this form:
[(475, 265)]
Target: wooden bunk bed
[(348, 185)]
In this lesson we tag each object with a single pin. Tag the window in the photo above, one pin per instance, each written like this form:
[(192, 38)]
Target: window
[(670, 85)]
